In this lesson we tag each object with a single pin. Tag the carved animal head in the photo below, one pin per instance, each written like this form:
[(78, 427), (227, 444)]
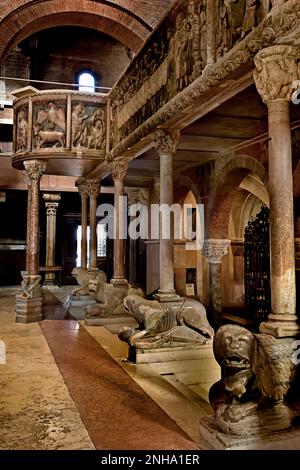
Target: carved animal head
[(234, 347)]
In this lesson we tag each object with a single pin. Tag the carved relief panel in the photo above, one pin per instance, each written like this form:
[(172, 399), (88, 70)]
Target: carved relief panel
[(88, 128), (49, 125), (22, 129)]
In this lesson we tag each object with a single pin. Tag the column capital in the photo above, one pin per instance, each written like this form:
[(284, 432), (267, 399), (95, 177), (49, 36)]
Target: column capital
[(51, 208), (137, 196), (215, 249), (83, 189), (93, 187), (119, 170), (35, 169), (166, 142), (277, 67)]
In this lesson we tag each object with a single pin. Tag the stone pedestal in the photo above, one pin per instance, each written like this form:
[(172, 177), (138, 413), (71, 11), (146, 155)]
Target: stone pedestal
[(51, 203), (274, 83), (166, 145), (176, 353), (29, 298), (119, 171)]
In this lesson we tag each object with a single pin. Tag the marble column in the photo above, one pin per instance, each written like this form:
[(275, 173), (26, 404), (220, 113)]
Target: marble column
[(29, 298), (82, 188), (214, 250), (135, 196), (93, 189), (166, 146), (51, 203), (119, 171), (274, 79), (27, 181)]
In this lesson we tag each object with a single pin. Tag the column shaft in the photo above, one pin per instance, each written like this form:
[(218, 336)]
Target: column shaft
[(84, 231), (283, 286), (93, 234), (118, 173)]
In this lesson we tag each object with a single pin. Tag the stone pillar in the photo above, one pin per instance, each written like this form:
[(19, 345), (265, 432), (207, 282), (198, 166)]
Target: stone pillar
[(214, 250), (276, 70), (93, 189), (119, 171), (27, 181), (135, 196), (82, 188), (29, 298), (51, 203), (166, 145)]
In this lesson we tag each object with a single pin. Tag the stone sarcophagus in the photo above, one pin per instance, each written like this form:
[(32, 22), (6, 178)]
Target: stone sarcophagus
[(60, 126)]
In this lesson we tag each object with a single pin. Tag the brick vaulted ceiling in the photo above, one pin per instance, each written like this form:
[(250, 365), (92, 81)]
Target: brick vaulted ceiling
[(129, 21)]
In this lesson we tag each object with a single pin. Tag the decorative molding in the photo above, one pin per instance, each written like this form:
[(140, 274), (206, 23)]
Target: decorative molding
[(35, 169), (165, 142), (277, 67), (215, 249)]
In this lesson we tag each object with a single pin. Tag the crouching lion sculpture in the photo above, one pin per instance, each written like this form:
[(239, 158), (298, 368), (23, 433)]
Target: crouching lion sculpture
[(257, 373), (109, 297), (180, 322)]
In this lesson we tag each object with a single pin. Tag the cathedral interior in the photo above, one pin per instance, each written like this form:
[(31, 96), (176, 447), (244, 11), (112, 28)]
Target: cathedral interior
[(150, 224)]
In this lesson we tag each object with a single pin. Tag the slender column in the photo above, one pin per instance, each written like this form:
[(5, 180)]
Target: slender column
[(135, 197), (82, 188), (29, 298), (119, 171), (214, 250), (93, 188), (276, 69), (166, 145), (27, 181), (51, 203), (35, 169)]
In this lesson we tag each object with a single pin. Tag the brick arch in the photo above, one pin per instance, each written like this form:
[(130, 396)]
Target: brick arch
[(226, 183), (184, 184), (25, 17)]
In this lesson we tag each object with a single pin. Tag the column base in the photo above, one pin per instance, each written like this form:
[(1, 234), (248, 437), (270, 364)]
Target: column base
[(280, 329), (119, 281), (167, 296), (28, 310)]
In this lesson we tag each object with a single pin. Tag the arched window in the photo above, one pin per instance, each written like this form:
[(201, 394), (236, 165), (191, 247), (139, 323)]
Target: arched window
[(86, 82)]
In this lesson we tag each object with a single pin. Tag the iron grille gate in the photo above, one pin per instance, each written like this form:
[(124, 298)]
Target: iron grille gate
[(257, 268)]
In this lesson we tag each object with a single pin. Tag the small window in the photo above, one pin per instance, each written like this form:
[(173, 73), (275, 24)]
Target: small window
[(86, 82)]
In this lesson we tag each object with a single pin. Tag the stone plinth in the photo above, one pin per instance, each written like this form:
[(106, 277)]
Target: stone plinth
[(29, 310), (109, 320), (81, 300), (176, 353), (217, 440)]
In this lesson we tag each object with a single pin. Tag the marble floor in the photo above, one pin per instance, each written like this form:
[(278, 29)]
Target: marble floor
[(66, 386)]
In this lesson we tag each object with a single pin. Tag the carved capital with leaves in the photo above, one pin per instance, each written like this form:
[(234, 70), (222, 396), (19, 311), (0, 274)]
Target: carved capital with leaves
[(165, 142), (119, 171), (215, 249), (35, 169), (93, 187), (277, 68)]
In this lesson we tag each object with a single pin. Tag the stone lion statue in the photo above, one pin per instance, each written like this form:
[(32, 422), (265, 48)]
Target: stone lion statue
[(83, 279), (109, 297), (256, 374), (178, 322)]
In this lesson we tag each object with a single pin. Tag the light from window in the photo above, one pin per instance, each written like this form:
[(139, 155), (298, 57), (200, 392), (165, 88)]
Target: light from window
[(78, 258), (86, 82), (101, 240)]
